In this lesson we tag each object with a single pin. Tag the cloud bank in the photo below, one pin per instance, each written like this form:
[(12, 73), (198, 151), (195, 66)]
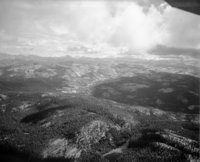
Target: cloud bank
[(139, 25), (170, 51)]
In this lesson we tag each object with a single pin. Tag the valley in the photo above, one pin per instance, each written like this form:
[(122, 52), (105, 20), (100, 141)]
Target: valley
[(85, 109)]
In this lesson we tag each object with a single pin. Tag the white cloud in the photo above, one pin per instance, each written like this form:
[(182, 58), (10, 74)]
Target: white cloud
[(116, 23), (138, 30), (182, 28)]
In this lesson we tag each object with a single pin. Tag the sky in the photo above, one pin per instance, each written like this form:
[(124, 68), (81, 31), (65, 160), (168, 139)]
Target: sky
[(50, 27)]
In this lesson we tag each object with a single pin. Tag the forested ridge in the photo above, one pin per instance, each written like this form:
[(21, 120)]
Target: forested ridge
[(29, 122)]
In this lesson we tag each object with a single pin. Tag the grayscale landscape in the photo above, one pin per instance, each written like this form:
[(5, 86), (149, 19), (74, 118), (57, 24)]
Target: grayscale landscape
[(96, 87)]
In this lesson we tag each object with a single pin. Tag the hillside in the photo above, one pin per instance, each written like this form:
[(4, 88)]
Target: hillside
[(79, 109)]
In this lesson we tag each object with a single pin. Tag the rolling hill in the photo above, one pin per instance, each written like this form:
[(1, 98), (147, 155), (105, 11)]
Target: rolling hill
[(79, 109)]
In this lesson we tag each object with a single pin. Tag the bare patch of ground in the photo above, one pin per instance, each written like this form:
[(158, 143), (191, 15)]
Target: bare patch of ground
[(61, 148)]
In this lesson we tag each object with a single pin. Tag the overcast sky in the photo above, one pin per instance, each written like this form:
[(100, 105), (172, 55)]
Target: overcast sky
[(141, 25)]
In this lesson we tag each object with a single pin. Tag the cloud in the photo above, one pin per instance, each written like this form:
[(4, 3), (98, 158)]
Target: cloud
[(138, 30), (6, 38), (182, 28), (173, 51), (139, 25)]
